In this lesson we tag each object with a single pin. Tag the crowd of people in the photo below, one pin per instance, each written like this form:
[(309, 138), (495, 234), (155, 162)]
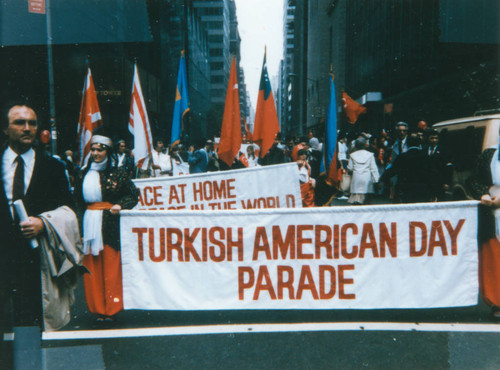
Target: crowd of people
[(407, 167)]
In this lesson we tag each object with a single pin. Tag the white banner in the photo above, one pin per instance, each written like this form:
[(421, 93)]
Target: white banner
[(275, 186), (388, 256)]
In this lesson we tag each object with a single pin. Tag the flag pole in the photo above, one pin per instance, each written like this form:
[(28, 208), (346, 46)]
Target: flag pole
[(52, 105)]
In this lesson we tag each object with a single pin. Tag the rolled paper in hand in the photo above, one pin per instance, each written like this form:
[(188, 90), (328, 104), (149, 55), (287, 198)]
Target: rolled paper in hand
[(23, 216)]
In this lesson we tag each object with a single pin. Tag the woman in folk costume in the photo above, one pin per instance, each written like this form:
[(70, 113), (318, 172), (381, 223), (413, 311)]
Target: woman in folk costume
[(102, 191), (484, 184)]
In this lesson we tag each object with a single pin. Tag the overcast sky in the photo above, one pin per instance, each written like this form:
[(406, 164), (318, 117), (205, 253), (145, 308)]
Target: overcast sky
[(260, 23)]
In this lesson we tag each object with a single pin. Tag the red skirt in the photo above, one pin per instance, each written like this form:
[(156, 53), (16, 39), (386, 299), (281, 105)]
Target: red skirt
[(103, 286), (307, 193), (489, 272)]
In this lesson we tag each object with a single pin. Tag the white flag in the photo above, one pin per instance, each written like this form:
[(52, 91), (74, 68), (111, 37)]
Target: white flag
[(138, 124)]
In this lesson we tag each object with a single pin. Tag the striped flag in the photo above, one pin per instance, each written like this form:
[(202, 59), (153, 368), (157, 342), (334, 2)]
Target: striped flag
[(266, 125), (230, 138), (138, 124), (181, 105), (90, 118)]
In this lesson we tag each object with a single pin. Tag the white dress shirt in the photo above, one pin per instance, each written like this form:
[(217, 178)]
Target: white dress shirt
[(9, 166), (162, 160)]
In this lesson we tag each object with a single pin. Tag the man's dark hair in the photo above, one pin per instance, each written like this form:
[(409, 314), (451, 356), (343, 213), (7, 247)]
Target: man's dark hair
[(413, 140), (200, 142), (157, 140), (431, 132), (301, 152)]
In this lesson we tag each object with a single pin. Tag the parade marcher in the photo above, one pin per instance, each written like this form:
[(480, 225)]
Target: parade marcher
[(41, 183), (123, 157), (198, 157), (315, 157), (287, 152), (103, 191), (307, 184), (162, 165), (484, 184), (275, 155), (400, 145), (342, 149), (364, 173), (441, 168), (180, 166), (252, 159), (412, 169), (213, 159)]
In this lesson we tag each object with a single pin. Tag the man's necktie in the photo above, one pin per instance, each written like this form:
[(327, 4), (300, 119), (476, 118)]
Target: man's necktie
[(18, 184)]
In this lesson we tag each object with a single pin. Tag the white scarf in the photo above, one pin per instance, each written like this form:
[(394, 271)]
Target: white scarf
[(121, 158), (92, 219), (495, 189)]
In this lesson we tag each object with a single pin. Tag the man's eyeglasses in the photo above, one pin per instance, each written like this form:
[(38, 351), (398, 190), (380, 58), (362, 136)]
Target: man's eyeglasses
[(23, 122)]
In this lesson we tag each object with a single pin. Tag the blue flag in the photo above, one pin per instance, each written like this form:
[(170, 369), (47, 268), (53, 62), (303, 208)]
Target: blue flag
[(329, 164), (181, 106)]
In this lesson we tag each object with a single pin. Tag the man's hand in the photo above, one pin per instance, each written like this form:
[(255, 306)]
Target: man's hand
[(32, 227)]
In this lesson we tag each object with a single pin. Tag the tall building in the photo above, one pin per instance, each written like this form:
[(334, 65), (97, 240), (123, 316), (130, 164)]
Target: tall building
[(215, 16), (324, 52), (177, 26), (295, 66)]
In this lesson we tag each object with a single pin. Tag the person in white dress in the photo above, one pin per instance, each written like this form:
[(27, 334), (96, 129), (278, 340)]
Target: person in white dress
[(253, 160), (364, 171)]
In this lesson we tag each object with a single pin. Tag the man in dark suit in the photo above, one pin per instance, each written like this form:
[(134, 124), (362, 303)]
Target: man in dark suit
[(41, 183), (441, 168), (123, 158), (412, 169), (400, 144)]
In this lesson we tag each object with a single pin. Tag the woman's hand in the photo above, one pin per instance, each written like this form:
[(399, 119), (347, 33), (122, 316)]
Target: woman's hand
[(495, 202), (115, 210), (489, 201)]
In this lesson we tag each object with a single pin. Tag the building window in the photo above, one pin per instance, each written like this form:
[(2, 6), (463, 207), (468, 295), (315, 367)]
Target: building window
[(217, 79), (216, 66), (216, 52), (215, 38)]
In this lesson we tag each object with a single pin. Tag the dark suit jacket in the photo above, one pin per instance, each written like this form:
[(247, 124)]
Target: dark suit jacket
[(441, 171), (20, 264), (477, 184), (414, 180)]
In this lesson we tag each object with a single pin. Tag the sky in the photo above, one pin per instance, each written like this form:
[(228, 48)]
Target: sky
[(260, 23)]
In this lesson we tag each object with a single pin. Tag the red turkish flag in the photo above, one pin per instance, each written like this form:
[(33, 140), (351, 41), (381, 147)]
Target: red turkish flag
[(230, 137), (351, 108)]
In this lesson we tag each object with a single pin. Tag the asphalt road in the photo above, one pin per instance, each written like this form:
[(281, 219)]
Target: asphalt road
[(334, 339)]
